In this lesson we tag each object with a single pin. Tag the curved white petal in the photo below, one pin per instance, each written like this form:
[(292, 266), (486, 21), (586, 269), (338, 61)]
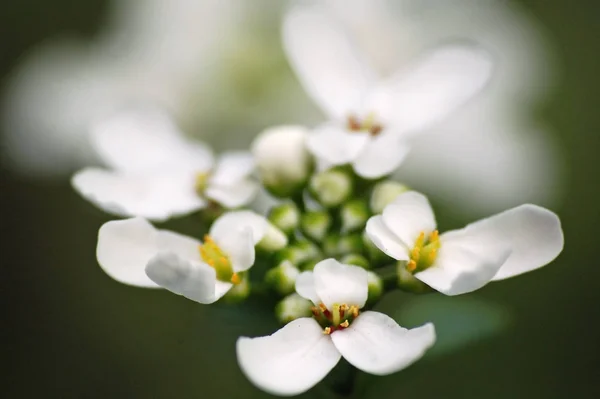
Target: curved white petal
[(408, 216), (376, 344), (438, 84), (125, 247), (290, 361), (335, 144), (232, 167), (305, 287), (156, 196), (236, 221), (191, 279), (337, 283), (325, 60), (234, 195), (385, 240), (464, 263), (381, 156), (145, 139), (533, 234), (239, 247)]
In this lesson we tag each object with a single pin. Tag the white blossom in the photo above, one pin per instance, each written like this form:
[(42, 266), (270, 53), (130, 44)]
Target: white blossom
[(299, 355), (371, 118), (157, 173), (504, 245), (133, 252)]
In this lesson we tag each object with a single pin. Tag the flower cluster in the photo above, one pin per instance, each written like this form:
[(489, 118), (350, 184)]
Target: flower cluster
[(341, 233)]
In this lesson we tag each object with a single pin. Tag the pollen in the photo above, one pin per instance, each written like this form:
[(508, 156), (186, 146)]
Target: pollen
[(425, 251), (201, 182), (367, 124), (337, 318), (213, 255)]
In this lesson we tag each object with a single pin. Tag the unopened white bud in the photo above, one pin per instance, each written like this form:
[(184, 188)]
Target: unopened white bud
[(273, 240), (283, 277), (331, 187), (315, 224), (384, 193), (375, 287), (354, 215), (282, 159), (293, 307), (286, 217)]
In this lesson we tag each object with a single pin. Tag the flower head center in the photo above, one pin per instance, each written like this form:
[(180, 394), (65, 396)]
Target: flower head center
[(424, 252), (368, 124), (337, 318), (214, 256)]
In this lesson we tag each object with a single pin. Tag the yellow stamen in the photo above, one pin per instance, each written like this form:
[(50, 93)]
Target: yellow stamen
[(411, 266), (235, 279), (327, 330), (345, 324)]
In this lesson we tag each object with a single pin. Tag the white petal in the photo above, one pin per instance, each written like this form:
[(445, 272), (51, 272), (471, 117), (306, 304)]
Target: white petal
[(325, 60), (376, 344), (144, 139), (337, 283), (385, 240), (236, 221), (533, 234), (232, 167), (335, 144), (464, 263), (381, 156), (408, 216), (305, 287), (239, 247), (156, 196), (191, 279), (290, 361), (125, 247), (433, 88), (234, 195)]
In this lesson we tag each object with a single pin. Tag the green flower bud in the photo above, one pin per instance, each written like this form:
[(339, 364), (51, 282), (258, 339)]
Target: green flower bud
[(293, 307), (354, 215), (299, 253), (331, 187), (315, 224), (239, 292), (282, 159), (408, 282), (385, 192), (283, 277), (286, 217), (375, 287), (273, 240), (310, 265), (356, 260), (330, 245), (352, 243)]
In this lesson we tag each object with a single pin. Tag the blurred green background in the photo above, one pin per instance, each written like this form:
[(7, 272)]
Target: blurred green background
[(69, 331)]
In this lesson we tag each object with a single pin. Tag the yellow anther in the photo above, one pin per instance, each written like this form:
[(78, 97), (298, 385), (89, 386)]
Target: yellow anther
[(435, 235), (235, 279), (345, 324), (420, 240), (214, 256), (354, 310), (411, 266), (327, 330), (322, 307)]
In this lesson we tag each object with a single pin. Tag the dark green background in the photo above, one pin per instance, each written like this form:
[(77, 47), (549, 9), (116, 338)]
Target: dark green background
[(68, 330)]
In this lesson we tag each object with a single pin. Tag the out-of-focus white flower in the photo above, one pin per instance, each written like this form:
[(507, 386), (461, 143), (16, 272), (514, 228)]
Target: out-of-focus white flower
[(157, 173), (282, 159), (370, 117), (169, 54), (298, 356), (133, 252), (492, 143), (510, 243)]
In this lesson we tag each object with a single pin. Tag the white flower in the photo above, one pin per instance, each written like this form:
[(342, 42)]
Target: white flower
[(133, 252), (371, 118), (493, 142), (157, 173), (504, 245), (298, 356), (282, 159)]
